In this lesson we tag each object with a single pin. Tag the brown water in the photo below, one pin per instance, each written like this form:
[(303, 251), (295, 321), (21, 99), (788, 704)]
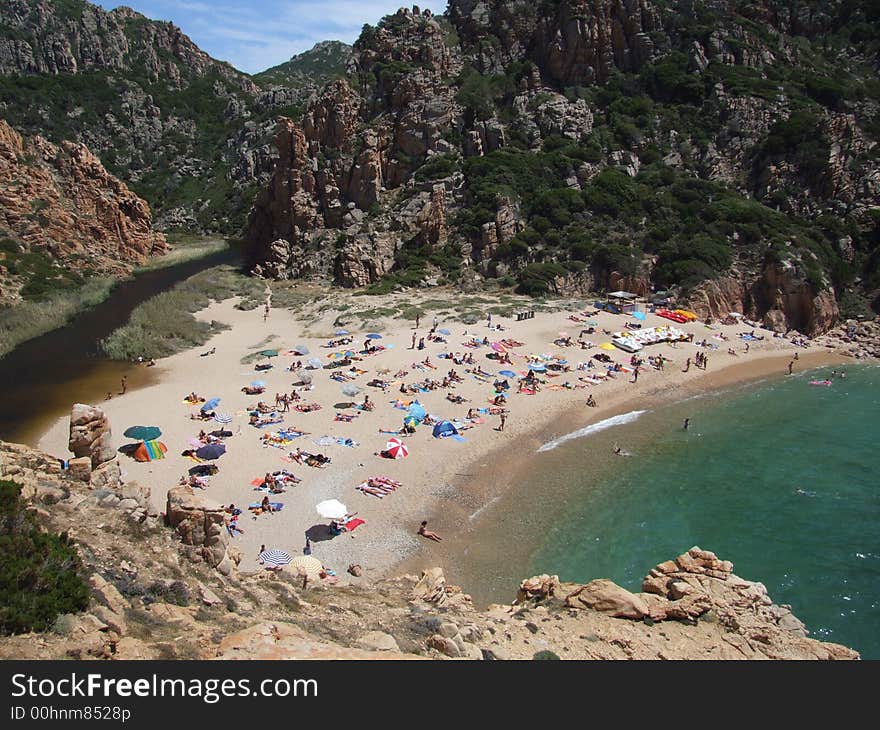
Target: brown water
[(43, 377)]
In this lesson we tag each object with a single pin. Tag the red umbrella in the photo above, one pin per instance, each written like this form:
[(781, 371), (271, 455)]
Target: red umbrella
[(396, 448)]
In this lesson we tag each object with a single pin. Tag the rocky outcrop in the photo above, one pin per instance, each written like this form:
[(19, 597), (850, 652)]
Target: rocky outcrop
[(59, 201), (90, 435), (200, 524)]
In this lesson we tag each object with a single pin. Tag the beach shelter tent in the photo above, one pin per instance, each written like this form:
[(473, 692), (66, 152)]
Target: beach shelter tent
[(143, 433), (150, 451), (444, 429)]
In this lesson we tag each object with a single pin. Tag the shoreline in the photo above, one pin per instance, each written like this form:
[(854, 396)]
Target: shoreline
[(443, 480), (458, 526)]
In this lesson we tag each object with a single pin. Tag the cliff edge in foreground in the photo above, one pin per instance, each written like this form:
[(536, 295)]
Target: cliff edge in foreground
[(151, 596)]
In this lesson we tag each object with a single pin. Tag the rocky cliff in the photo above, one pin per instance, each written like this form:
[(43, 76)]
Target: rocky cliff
[(155, 594), (187, 132), (567, 144), (63, 217)]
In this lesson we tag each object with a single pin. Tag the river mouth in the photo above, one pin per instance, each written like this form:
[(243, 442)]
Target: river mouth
[(44, 376)]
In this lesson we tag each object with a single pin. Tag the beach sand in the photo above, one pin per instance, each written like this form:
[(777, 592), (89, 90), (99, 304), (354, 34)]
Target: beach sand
[(444, 480)]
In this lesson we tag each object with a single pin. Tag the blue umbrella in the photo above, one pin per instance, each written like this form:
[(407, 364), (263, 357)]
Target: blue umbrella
[(211, 405), (143, 433), (211, 451), (258, 384), (342, 332), (374, 336), (507, 373), (444, 332), (537, 368), (639, 315)]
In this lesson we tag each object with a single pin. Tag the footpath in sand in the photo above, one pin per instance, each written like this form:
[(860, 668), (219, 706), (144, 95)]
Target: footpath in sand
[(435, 466)]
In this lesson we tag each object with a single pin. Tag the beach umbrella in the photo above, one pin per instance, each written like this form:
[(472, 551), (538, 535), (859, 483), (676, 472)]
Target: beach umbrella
[(498, 347), (331, 509), (339, 333), (591, 323), (537, 367), (211, 451), (143, 433), (374, 336), (275, 557), (314, 362), (301, 350), (269, 353), (210, 405), (417, 411), (410, 421), (350, 389), (307, 565), (305, 378), (150, 451), (639, 315), (396, 448), (444, 332), (258, 384), (507, 373), (222, 418), (607, 346)]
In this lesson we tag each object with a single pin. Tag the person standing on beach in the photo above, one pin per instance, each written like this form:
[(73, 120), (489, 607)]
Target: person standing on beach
[(687, 366), (636, 375), (503, 416), (413, 345), (435, 321), (124, 384), (790, 366), (425, 532), (417, 322)]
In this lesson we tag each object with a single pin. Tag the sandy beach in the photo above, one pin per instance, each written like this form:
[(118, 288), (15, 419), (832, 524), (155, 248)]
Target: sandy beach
[(438, 472)]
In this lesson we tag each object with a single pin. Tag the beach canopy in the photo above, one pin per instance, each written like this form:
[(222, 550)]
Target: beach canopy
[(374, 336), (396, 448), (210, 405), (256, 384), (507, 373), (150, 451), (350, 389), (639, 315), (307, 565), (301, 350), (315, 362), (222, 418), (143, 433), (417, 411), (211, 451), (331, 509), (444, 332), (444, 429), (269, 353), (275, 557)]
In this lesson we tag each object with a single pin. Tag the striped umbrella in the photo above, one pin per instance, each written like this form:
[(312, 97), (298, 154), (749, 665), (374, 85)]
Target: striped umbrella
[(307, 565), (396, 448), (150, 451), (275, 557), (223, 418)]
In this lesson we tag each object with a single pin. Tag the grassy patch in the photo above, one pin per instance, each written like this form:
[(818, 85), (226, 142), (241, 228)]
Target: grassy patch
[(186, 248), (165, 325), (40, 571)]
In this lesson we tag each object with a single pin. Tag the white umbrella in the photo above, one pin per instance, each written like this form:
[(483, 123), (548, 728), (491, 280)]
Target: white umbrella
[(331, 509)]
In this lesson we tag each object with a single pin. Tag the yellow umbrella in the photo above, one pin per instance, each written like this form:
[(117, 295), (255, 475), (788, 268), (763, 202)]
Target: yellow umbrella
[(607, 346), (306, 565)]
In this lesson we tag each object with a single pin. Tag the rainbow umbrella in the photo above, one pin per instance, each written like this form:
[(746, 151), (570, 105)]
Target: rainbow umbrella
[(150, 451)]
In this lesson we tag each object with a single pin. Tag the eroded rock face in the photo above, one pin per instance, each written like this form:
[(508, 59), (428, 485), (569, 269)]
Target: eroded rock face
[(90, 435), (200, 523), (59, 200)]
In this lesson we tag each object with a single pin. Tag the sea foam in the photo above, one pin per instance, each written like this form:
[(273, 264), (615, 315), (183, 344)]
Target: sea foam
[(593, 428)]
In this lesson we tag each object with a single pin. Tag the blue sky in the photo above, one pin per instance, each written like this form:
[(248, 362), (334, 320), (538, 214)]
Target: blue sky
[(256, 34)]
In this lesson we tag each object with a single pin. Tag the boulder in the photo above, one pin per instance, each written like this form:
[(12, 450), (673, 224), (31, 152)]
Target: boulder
[(90, 434), (609, 598)]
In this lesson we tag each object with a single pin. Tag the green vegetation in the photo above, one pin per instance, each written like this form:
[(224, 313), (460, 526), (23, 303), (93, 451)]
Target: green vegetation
[(186, 247), (164, 325), (40, 571), (31, 319), (320, 65)]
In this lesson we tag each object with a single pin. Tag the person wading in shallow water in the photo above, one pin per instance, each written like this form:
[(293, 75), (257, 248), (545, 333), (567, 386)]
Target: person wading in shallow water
[(687, 422)]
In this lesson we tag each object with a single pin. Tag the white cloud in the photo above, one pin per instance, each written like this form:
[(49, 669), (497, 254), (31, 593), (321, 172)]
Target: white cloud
[(259, 34)]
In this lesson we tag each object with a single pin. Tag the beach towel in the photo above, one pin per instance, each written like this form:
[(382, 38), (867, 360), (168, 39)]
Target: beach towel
[(277, 506), (354, 523), (457, 437)]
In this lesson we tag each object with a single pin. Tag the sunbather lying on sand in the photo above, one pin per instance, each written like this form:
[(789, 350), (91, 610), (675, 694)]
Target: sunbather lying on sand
[(250, 390)]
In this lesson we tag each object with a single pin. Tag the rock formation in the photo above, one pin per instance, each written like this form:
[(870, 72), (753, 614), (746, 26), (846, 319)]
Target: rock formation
[(157, 591), (91, 442), (59, 202)]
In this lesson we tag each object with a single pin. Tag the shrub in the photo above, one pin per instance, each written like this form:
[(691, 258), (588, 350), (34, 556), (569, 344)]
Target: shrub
[(40, 571)]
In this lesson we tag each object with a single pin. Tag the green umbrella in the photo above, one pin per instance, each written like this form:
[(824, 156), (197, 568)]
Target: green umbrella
[(143, 433), (269, 353)]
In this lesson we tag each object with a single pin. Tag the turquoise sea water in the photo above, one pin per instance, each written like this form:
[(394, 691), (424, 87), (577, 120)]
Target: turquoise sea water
[(730, 484)]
